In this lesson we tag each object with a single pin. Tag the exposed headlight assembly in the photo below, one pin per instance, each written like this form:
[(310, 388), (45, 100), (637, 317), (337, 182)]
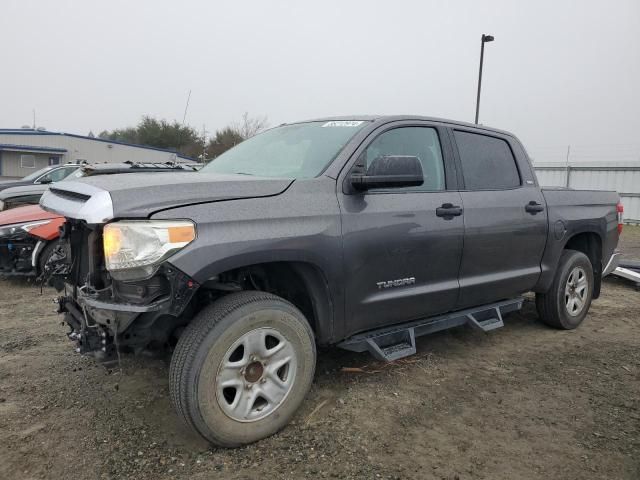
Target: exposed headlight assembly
[(8, 230), (135, 249)]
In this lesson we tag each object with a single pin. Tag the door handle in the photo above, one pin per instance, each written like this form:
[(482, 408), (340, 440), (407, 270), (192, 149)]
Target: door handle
[(448, 211), (533, 207)]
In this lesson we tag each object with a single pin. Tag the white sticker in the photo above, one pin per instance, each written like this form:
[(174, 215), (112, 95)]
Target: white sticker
[(343, 123)]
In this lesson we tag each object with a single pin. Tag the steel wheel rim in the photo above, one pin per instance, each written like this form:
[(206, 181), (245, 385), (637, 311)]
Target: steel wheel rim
[(576, 291), (256, 375)]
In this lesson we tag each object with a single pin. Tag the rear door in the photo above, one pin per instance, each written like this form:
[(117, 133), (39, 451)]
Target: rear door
[(401, 259), (504, 218)]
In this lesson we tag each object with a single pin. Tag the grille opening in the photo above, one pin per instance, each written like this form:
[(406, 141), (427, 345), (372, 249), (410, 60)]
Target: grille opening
[(70, 195)]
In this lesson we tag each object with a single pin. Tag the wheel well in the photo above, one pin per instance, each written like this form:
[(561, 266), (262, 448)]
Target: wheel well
[(590, 244), (302, 284)]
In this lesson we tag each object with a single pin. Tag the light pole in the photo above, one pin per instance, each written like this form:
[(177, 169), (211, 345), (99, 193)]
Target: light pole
[(485, 39)]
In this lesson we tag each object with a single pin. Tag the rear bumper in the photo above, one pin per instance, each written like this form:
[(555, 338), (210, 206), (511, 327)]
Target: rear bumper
[(612, 264)]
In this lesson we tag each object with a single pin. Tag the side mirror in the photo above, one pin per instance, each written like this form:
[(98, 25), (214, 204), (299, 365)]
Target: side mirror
[(45, 181), (391, 171)]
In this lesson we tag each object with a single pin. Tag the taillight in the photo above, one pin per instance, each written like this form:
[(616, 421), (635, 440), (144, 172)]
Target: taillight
[(620, 210)]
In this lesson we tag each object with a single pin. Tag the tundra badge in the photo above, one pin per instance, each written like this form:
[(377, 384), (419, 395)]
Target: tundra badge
[(401, 282)]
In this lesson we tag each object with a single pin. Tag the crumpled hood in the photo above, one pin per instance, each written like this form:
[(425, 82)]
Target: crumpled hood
[(102, 198), (29, 213)]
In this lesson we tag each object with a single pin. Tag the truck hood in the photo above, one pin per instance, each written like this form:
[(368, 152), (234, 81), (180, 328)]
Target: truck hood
[(103, 198), (30, 213)]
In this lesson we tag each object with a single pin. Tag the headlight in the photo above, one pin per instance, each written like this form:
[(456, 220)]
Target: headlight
[(134, 249), (26, 227)]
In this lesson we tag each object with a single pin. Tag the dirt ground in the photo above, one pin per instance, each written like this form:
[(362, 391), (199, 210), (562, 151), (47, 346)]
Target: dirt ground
[(522, 402)]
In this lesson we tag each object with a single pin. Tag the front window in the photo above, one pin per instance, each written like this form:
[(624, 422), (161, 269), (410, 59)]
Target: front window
[(57, 174), (421, 142), (300, 150), (31, 177)]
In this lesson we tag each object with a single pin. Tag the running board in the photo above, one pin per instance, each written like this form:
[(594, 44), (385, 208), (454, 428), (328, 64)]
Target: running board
[(628, 274), (399, 341)]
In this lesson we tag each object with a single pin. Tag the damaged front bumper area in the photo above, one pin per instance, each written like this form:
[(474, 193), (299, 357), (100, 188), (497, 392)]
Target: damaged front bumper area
[(127, 317), (107, 316)]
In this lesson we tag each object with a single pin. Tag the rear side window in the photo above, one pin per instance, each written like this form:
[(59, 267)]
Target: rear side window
[(487, 162)]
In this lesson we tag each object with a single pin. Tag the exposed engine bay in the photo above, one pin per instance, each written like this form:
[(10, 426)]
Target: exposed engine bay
[(107, 315)]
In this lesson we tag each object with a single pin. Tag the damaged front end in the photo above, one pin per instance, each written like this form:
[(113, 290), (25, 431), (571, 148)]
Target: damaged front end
[(19, 250), (108, 313)]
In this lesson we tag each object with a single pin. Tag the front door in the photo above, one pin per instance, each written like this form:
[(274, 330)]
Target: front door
[(401, 259)]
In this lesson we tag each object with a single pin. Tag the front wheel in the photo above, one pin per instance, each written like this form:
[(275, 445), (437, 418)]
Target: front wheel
[(242, 368), (567, 302), (45, 254)]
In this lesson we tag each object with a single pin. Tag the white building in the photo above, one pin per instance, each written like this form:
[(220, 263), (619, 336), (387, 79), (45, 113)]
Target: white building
[(623, 177), (23, 151)]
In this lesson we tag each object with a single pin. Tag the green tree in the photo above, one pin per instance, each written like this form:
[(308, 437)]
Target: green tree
[(161, 134), (224, 139)]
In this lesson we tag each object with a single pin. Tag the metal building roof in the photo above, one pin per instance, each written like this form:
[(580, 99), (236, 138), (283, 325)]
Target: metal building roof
[(30, 131), (7, 147)]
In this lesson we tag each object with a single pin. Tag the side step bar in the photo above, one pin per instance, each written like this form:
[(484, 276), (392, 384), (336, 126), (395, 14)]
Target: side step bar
[(391, 343), (628, 274)]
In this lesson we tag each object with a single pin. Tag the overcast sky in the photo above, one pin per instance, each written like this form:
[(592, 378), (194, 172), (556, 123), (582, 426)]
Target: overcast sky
[(558, 73)]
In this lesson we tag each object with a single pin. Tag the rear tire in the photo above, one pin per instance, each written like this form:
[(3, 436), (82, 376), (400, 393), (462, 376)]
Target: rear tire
[(242, 368), (567, 302)]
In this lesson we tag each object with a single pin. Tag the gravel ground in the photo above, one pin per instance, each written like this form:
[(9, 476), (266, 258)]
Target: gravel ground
[(523, 402)]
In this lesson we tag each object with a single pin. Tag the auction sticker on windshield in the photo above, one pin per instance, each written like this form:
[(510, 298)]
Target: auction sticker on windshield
[(343, 123)]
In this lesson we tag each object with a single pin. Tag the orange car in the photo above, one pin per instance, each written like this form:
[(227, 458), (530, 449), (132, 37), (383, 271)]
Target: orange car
[(27, 238)]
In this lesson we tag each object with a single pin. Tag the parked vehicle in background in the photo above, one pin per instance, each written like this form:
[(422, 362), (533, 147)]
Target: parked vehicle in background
[(30, 194), (19, 196), (361, 232), (28, 190), (29, 234), (43, 176)]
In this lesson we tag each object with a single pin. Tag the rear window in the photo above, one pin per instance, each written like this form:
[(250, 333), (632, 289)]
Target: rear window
[(487, 162)]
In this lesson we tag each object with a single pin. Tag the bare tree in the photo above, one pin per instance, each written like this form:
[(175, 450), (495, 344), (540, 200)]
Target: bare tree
[(235, 133), (250, 126)]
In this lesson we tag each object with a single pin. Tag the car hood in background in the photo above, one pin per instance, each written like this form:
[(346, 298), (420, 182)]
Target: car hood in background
[(31, 189), (102, 198), (30, 213), (12, 183)]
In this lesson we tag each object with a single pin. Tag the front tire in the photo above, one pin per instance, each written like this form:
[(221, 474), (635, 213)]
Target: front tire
[(567, 302), (45, 255), (242, 368)]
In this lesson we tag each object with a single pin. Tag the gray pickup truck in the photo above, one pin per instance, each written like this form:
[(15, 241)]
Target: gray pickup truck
[(360, 232)]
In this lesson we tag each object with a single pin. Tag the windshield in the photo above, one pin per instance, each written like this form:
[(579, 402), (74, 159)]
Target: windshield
[(301, 150), (79, 173), (34, 175)]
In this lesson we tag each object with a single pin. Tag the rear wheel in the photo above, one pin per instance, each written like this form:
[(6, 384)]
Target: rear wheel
[(567, 302), (242, 368)]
